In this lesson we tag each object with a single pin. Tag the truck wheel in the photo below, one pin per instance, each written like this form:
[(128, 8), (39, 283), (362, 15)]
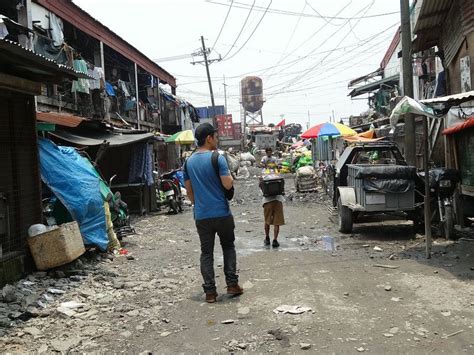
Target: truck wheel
[(345, 217), (449, 222)]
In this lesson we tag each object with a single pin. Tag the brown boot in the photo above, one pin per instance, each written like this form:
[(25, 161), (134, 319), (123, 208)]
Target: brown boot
[(211, 297), (234, 290)]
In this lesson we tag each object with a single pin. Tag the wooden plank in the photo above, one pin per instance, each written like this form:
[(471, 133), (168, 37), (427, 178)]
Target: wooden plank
[(15, 83)]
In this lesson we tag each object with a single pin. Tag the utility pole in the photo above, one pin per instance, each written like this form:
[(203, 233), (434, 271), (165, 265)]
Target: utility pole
[(410, 137), (225, 96), (205, 52)]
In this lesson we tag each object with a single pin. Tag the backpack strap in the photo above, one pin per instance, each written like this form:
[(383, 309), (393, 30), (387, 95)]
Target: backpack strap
[(215, 164)]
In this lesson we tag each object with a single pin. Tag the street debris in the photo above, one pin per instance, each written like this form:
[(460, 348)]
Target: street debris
[(376, 248), (386, 266), (228, 321), (446, 313), (453, 334), (305, 346), (388, 288), (286, 309)]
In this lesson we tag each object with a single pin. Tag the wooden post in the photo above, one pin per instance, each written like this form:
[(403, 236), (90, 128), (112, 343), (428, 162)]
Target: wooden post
[(427, 189), (136, 95)]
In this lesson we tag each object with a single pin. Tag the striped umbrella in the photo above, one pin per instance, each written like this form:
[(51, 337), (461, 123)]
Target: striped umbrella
[(183, 137), (329, 130)]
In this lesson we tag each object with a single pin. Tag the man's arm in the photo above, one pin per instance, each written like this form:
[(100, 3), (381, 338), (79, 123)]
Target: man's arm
[(224, 173), (189, 189), (227, 182)]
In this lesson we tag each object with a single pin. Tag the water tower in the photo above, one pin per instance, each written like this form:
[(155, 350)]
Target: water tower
[(251, 98)]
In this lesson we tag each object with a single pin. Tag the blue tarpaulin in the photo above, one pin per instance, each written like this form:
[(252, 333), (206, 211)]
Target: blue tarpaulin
[(73, 181)]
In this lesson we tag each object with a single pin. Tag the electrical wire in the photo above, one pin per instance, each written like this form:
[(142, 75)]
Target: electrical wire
[(305, 73), (222, 27), (241, 5), (241, 30), (248, 39), (303, 43)]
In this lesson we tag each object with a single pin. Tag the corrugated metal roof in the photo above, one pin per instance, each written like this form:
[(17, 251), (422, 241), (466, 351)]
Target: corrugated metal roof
[(26, 60), (374, 86), (94, 138), (432, 14), (60, 118), (462, 97)]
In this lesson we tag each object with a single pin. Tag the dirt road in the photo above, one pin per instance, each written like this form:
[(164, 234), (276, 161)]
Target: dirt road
[(353, 299)]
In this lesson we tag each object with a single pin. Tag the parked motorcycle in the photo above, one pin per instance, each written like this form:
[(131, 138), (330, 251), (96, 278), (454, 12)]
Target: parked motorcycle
[(442, 184), (168, 191), (119, 213)]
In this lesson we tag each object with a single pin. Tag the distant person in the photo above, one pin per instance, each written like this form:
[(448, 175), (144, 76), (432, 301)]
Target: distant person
[(205, 188), (268, 161)]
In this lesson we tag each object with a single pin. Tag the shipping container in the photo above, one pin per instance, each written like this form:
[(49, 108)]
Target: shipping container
[(225, 127)]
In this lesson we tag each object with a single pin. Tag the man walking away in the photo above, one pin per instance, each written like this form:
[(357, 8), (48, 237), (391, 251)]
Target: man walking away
[(205, 187)]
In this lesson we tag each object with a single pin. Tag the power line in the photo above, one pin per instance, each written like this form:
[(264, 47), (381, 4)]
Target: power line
[(223, 24), (311, 37), (305, 73), (255, 29), (241, 5), (241, 30)]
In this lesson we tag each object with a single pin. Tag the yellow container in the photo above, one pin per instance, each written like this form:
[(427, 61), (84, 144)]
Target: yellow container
[(57, 247)]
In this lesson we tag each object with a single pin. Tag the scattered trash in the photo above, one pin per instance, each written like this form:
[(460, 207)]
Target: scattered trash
[(388, 288), (376, 248), (56, 291), (388, 335), (446, 313), (361, 349), (386, 266), (394, 330), (243, 310), (66, 311), (228, 321), (72, 305), (305, 346), (396, 299), (165, 334), (291, 309), (328, 243), (453, 334)]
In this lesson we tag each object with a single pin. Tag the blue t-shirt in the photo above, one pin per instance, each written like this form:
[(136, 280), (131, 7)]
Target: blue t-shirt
[(209, 198)]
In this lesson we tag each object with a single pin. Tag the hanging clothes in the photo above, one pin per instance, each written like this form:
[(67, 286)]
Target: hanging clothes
[(98, 74), (56, 29), (122, 85), (109, 89), (81, 85)]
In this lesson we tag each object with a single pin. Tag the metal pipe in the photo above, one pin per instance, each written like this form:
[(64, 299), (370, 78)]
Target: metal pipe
[(427, 189), (136, 95)]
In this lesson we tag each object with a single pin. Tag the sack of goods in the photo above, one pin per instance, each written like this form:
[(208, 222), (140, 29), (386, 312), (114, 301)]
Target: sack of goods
[(306, 171), (272, 185)]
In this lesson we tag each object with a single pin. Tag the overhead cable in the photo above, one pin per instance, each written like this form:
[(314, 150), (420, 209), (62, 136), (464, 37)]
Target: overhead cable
[(248, 39), (241, 30), (223, 24)]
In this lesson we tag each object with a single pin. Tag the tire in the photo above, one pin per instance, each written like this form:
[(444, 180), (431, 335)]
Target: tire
[(174, 206), (449, 222), (346, 219)]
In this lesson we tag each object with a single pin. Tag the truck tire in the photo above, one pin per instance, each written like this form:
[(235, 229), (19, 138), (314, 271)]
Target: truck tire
[(345, 218), (449, 223)]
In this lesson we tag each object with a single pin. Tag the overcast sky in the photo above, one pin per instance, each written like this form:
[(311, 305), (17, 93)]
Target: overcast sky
[(306, 51)]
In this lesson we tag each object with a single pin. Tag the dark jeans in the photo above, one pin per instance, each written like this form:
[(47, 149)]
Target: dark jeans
[(207, 229)]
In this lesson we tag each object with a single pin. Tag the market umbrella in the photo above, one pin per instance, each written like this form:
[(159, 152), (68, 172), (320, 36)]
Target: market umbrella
[(329, 130), (183, 137)]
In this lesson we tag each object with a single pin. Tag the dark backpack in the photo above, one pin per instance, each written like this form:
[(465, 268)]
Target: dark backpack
[(229, 194)]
